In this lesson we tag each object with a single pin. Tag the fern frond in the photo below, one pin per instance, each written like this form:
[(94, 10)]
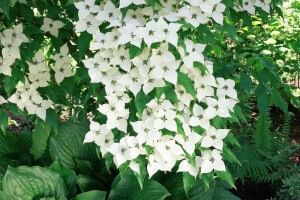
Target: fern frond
[(262, 136)]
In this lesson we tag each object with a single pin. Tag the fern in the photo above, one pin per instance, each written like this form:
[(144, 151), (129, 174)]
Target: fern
[(286, 127), (262, 136)]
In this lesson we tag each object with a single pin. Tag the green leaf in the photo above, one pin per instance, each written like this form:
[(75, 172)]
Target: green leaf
[(245, 82), (296, 46), (124, 189), (67, 145), (230, 138), (279, 101), (8, 143), (187, 83), (223, 194), (134, 51), (152, 190), (29, 183), (4, 7), (40, 138), (141, 100), (199, 192), (263, 102), (69, 177), (229, 156), (91, 195), (52, 119), (174, 184), (226, 176), (84, 43), (3, 120), (86, 183), (188, 181)]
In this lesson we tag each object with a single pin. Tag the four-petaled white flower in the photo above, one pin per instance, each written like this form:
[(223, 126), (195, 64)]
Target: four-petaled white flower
[(212, 160), (52, 26)]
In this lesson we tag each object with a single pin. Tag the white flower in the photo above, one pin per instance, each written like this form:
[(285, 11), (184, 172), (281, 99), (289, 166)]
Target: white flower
[(214, 138), (186, 166), (161, 56), (226, 88), (147, 33), (146, 131), (196, 120), (204, 86), (264, 4), (126, 3), (127, 35), (150, 83), (212, 160), (167, 32), (168, 72), (133, 81), (90, 24), (121, 58), (2, 100), (192, 53), (109, 13), (16, 35), (61, 66), (193, 15), (127, 149), (189, 141), (142, 62), (5, 67), (52, 26), (86, 8)]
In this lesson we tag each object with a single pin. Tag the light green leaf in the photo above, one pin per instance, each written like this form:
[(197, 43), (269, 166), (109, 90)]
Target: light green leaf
[(29, 183), (187, 83)]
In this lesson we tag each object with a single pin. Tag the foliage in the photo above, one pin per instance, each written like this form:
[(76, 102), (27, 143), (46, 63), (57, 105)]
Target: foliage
[(161, 93)]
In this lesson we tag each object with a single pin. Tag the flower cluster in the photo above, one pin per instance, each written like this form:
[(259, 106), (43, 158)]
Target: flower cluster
[(11, 39), (28, 97), (167, 132), (251, 5)]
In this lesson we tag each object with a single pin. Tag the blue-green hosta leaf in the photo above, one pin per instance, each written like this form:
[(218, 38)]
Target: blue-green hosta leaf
[(29, 183), (67, 145)]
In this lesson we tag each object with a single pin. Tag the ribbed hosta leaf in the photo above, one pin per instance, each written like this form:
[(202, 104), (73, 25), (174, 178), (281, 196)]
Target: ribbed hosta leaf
[(67, 145), (32, 183)]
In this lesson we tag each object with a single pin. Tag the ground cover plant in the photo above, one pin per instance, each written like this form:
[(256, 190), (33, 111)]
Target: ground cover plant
[(148, 99)]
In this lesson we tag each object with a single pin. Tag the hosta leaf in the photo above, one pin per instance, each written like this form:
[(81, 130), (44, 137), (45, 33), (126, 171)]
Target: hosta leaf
[(91, 195), (40, 138), (29, 183), (8, 143), (69, 176), (188, 181), (152, 190), (67, 145)]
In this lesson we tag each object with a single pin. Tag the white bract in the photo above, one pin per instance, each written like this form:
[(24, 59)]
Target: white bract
[(52, 26)]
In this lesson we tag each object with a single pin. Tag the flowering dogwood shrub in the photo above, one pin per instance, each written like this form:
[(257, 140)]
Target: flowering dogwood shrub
[(159, 104)]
